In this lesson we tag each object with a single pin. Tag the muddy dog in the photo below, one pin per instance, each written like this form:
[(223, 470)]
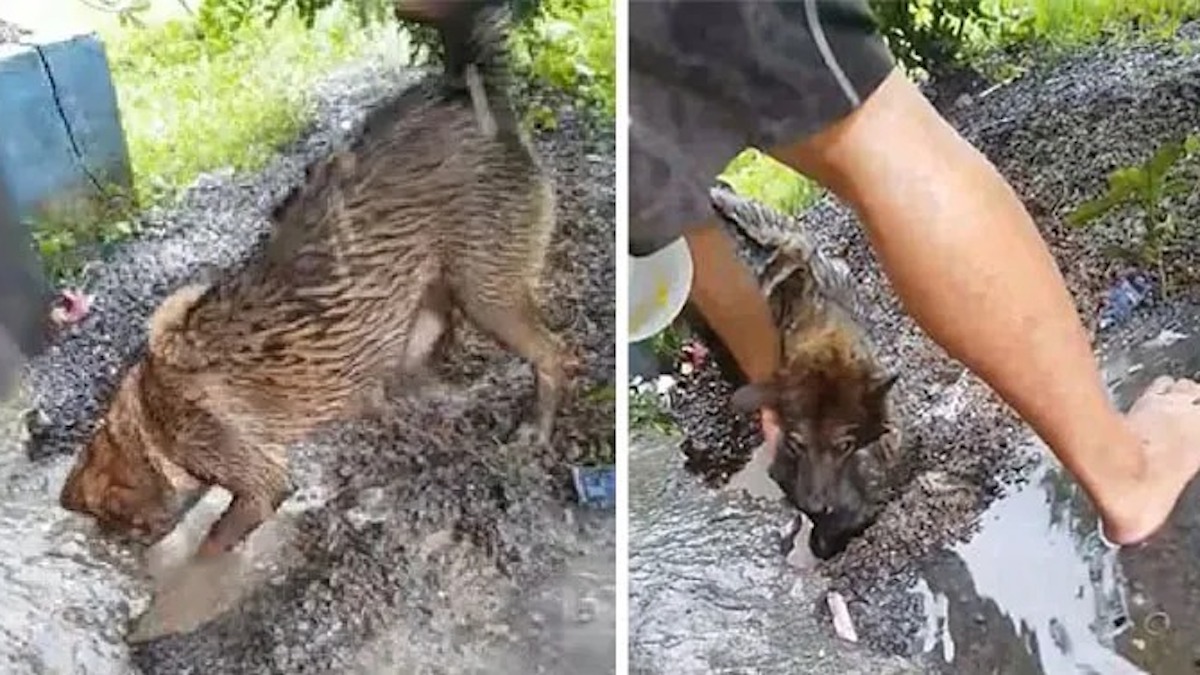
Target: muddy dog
[(434, 209), (840, 434)]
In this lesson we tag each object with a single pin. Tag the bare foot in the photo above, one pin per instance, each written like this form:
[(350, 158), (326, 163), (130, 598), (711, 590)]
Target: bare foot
[(1166, 421)]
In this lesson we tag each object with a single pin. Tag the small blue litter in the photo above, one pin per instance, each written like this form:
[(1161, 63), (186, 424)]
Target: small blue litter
[(1129, 293), (595, 485)]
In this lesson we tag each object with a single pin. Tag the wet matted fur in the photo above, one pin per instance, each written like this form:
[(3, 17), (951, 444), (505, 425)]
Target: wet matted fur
[(433, 209), (840, 432)]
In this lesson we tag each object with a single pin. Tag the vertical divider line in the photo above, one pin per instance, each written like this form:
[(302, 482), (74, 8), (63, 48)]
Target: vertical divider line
[(621, 260)]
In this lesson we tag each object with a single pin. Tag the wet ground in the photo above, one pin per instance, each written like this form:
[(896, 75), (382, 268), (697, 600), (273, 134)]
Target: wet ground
[(1034, 591), (1037, 591), (985, 559), (423, 545), (710, 590)]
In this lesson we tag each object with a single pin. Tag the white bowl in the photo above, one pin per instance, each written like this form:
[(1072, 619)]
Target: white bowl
[(659, 285)]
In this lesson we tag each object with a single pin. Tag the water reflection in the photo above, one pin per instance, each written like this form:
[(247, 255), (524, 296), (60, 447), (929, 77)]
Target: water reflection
[(1036, 591)]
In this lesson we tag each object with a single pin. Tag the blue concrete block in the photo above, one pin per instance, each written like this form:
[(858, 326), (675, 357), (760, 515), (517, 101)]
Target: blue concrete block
[(61, 150), (60, 129), (89, 106)]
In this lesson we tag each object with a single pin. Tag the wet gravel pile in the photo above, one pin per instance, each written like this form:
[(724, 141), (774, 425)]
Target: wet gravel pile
[(1055, 134), (434, 522), (1058, 134), (717, 442)]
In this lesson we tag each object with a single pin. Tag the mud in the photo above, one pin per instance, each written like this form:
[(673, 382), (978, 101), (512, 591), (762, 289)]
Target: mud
[(709, 589), (425, 544), (921, 583)]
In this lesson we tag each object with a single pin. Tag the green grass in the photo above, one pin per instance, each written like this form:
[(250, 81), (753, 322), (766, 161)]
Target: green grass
[(572, 46), (646, 414), (758, 176), (190, 106), (192, 103), (1076, 23)]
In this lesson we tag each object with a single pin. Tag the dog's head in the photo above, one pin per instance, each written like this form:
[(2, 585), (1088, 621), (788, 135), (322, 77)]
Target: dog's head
[(117, 478), (834, 421)]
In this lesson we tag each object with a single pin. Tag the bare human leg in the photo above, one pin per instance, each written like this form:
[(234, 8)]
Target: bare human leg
[(971, 268)]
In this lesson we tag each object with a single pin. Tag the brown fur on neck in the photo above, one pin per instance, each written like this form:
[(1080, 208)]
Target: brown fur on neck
[(827, 388), (122, 477)]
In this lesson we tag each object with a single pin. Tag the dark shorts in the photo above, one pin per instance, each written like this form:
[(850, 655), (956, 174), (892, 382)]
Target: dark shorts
[(709, 78)]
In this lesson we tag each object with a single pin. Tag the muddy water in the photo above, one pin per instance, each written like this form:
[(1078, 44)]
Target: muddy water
[(69, 600), (68, 603), (709, 590), (1036, 591), (64, 598)]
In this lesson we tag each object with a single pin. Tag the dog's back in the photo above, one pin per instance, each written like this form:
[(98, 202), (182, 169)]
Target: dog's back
[(424, 202)]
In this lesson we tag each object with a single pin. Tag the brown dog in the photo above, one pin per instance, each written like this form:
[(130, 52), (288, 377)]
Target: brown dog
[(831, 393), (426, 213)]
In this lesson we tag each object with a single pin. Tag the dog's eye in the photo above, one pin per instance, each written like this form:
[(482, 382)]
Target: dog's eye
[(793, 445), (846, 446)]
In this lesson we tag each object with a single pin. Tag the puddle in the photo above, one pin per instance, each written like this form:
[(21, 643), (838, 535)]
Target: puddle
[(66, 595), (709, 591), (1036, 591)]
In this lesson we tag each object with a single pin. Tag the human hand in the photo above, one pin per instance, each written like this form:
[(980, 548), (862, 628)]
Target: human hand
[(1166, 421), (771, 430)]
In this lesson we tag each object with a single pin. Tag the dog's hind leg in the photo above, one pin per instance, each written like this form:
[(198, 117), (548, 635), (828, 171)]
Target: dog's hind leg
[(518, 324)]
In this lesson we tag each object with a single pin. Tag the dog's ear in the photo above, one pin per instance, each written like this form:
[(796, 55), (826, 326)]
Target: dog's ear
[(84, 482), (880, 385), (751, 397)]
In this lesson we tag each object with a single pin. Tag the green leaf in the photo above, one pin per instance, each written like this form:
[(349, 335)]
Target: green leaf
[(1175, 188), (1127, 181), (1191, 144), (1091, 210), (1162, 161)]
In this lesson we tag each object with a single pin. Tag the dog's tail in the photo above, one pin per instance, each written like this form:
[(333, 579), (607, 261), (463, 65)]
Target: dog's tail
[(786, 244), (762, 225)]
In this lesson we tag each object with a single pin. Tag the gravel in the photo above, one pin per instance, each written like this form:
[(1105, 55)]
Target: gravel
[(495, 519)]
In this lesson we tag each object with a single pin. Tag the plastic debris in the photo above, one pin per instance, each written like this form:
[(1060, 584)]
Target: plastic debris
[(71, 307), (695, 354), (1166, 338), (595, 485), (1126, 295), (842, 625)]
